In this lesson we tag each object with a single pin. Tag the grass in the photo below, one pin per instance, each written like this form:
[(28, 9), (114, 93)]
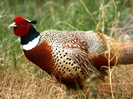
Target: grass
[(20, 79)]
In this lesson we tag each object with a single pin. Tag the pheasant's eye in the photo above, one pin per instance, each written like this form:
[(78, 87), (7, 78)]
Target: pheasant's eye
[(22, 22)]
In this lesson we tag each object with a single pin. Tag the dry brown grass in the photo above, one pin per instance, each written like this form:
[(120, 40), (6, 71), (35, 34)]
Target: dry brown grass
[(23, 85)]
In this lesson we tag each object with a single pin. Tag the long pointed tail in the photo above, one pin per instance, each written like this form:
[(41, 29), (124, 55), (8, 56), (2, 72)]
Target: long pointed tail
[(127, 54)]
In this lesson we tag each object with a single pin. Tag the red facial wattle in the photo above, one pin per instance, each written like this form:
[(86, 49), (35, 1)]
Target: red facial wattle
[(22, 26)]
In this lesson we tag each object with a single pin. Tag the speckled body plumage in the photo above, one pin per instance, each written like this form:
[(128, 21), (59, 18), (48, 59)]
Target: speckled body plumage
[(71, 56), (68, 55), (65, 55)]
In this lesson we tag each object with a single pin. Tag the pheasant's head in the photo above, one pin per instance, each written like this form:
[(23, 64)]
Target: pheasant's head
[(21, 25)]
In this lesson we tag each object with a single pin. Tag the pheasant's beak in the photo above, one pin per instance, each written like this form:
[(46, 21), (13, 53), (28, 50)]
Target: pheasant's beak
[(12, 25)]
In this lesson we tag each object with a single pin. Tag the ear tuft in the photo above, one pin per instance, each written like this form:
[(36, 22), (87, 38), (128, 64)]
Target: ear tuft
[(33, 22)]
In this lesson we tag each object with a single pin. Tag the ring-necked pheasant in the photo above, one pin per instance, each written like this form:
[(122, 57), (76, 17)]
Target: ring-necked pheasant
[(71, 56)]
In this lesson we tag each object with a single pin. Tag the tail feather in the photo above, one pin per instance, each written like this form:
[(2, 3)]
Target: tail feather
[(127, 53)]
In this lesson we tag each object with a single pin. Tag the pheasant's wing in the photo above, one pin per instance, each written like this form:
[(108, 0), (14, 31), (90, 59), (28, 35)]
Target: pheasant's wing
[(78, 51)]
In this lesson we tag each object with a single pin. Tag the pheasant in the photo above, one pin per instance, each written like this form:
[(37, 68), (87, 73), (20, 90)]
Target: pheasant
[(71, 56)]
